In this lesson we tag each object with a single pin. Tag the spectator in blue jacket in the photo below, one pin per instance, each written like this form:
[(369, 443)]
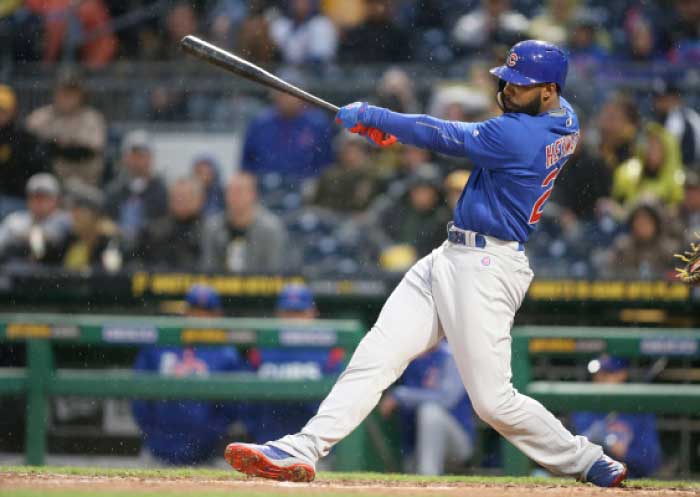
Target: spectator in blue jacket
[(289, 139), (627, 437), (182, 432), (270, 421), (437, 422)]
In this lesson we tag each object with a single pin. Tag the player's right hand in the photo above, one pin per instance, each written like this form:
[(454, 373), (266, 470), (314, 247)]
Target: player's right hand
[(350, 115)]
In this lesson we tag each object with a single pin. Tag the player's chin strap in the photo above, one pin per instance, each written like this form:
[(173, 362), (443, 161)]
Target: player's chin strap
[(499, 101)]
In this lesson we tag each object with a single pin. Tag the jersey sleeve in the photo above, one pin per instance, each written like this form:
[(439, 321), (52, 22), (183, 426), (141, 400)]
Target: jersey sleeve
[(490, 144), (495, 143)]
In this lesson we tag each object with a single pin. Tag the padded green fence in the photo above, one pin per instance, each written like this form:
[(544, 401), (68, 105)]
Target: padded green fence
[(533, 341), (41, 380)]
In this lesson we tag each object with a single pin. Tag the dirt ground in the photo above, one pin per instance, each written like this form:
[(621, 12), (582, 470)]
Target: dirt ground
[(317, 488)]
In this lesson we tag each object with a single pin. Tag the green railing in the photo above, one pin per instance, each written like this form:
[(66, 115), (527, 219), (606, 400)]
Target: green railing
[(41, 380), (529, 342)]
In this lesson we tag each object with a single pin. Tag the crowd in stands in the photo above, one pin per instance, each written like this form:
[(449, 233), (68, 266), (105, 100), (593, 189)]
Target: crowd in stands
[(100, 32), (305, 195)]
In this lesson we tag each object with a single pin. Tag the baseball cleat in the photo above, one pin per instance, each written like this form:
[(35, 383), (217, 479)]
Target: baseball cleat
[(606, 472), (269, 462)]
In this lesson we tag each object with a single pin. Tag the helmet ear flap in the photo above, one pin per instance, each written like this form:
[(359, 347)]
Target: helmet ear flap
[(501, 84)]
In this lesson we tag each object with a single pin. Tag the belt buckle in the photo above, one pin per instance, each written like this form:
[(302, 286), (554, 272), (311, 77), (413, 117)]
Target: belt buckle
[(456, 236)]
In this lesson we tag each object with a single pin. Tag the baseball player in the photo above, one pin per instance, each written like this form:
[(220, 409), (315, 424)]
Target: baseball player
[(470, 287)]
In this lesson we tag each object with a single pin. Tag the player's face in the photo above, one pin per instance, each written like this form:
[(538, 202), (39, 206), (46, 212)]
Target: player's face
[(522, 99)]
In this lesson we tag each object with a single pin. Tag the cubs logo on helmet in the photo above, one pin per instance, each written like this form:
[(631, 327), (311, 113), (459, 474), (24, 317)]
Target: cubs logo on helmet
[(531, 62)]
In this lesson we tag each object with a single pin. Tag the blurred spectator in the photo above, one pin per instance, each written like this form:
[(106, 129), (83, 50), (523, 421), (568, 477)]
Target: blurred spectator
[(679, 119), (351, 184), (137, 196), (186, 432), (76, 31), (20, 155), (628, 437), (39, 232), (395, 175), (289, 138), (21, 33), (179, 21), (586, 53), (74, 132), (552, 24), (583, 182), (175, 240), (417, 218), (646, 251), (94, 239), (274, 420), (378, 38), (493, 23), (656, 170), (206, 170), (454, 186), (683, 33), (641, 41), (395, 91), (254, 40), (437, 423), (304, 36), (687, 221), (617, 125), (460, 103), (224, 19), (246, 237)]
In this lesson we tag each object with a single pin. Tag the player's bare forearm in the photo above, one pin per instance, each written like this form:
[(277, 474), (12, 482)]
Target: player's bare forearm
[(423, 131)]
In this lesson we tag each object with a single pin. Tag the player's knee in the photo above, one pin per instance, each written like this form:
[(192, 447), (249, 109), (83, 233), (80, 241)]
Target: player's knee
[(429, 415), (494, 411)]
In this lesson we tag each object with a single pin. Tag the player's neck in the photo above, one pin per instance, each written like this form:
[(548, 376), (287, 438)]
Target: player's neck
[(552, 104)]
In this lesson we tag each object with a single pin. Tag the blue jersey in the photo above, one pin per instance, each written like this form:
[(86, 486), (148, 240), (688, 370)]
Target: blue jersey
[(517, 157), (638, 431), (273, 420), (182, 432)]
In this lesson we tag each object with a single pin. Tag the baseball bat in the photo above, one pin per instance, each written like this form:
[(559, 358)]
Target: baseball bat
[(237, 65)]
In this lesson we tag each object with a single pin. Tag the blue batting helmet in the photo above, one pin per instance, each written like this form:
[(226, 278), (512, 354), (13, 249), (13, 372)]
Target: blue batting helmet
[(203, 297), (532, 61)]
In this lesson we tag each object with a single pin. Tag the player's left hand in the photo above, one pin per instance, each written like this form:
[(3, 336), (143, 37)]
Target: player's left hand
[(350, 117)]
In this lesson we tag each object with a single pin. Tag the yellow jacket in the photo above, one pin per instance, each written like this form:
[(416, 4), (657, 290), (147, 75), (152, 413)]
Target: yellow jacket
[(630, 183)]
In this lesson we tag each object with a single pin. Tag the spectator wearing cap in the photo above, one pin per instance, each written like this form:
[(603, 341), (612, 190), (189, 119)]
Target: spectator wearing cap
[(295, 304), (586, 51), (74, 133), (628, 437), (349, 185), (247, 236), (138, 196), (93, 244), (417, 218), (20, 155), (174, 241), (289, 139), (679, 119), (183, 433), (38, 233)]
